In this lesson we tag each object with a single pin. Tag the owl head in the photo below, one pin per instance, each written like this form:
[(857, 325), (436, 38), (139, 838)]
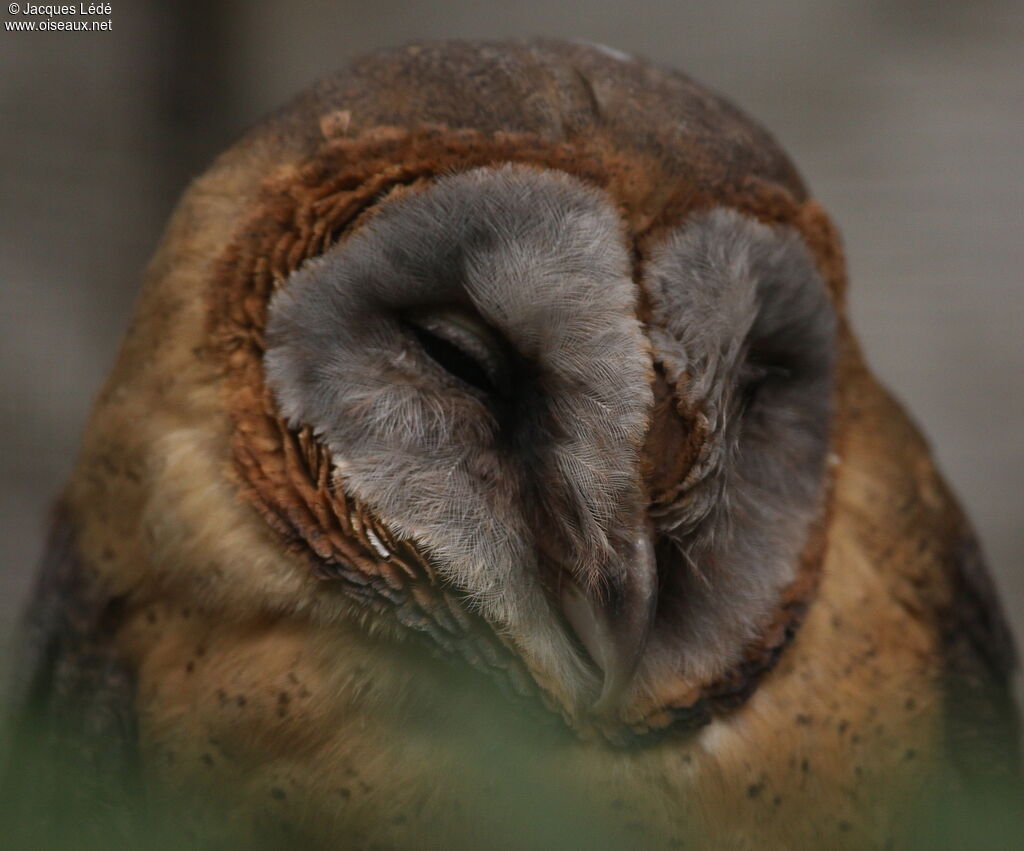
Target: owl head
[(525, 352)]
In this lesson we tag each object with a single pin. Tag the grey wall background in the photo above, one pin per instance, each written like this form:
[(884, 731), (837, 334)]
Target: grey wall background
[(905, 116)]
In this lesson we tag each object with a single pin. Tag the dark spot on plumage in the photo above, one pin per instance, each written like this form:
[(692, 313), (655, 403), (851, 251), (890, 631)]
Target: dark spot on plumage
[(186, 612), (151, 617), (222, 696), (754, 790), (277, 793), (843, 726), (190, 667), (844, 826), (910, 704), (207, 760), (805, 766), (342, 792), (241, 700), (804, 720), (909, 754), (283, 697), (777, 800)]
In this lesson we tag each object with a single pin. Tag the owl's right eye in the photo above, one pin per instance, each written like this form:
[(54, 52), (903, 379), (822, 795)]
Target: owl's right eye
[(464, 347), (755, 377)]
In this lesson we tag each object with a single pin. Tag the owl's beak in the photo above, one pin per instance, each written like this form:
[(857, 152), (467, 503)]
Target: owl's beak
[(614, 629)]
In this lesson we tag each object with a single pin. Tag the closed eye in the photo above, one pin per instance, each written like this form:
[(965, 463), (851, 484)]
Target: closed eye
[(755, 377), (464, 347)]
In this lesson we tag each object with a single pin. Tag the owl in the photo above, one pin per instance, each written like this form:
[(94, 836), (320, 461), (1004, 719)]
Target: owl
[(491, 463)]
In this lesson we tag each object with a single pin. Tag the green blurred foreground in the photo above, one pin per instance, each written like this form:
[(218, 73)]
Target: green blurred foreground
[(57, 795)]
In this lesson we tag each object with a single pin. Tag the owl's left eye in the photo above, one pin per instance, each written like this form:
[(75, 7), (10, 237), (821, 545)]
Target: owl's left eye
[(464, 346), (755, 377)]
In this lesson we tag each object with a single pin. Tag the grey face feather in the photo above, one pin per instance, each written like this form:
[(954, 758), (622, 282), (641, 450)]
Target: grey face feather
[(541, 260), (533, 471), (743, 324)]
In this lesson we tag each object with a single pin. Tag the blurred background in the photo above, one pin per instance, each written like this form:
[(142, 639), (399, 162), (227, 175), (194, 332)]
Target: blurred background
[(905, 116)]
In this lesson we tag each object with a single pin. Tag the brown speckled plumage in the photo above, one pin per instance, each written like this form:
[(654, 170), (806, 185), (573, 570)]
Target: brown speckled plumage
[(261, 645)]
